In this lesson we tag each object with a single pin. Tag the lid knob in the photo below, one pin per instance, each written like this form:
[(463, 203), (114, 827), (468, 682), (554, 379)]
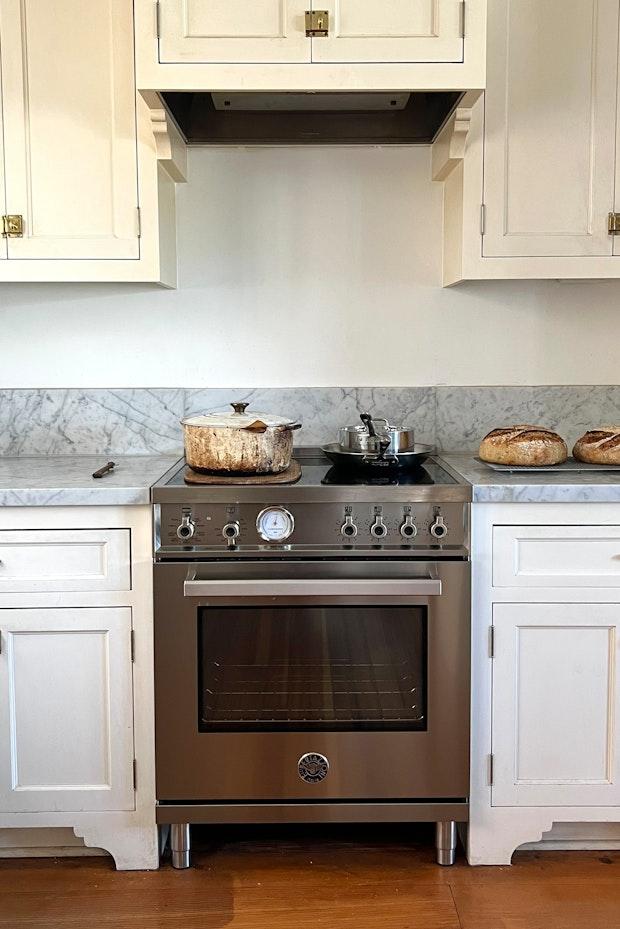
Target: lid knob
[(240, 407)]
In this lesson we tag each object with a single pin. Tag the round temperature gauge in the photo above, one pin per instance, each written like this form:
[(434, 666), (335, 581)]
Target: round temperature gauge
[(275, 524)]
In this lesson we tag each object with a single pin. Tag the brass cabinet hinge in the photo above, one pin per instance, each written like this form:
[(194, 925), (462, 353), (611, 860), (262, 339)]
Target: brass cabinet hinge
[(132, 645), (157, 19), (139, 221), (12, 226), (491, 766), (135, 779), (483, 217), (613, 223), (491, 641), (462, 19), (317, 23)]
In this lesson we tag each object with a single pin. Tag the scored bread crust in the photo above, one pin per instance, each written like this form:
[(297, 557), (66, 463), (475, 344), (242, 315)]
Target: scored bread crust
[(523, 446), (599, 446)]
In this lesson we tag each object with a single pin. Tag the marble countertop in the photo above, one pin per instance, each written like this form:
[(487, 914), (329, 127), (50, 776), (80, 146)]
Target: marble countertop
[(528, 487), (66, 480)]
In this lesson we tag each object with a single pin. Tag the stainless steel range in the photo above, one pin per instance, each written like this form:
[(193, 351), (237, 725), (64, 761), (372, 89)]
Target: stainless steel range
[(312, 650)]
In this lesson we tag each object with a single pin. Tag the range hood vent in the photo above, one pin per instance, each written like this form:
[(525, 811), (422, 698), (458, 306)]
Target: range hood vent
[(358, 118)]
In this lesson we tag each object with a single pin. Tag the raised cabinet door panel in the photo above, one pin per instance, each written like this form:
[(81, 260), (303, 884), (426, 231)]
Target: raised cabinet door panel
[(66, 730), (233, 31), (556, 556), (391, 31), (64, 560), (70, 128), (616, 238), (555, 704), (3, 249), (550, 116)]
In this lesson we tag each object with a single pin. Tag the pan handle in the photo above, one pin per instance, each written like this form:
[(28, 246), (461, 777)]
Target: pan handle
[(366, 418)]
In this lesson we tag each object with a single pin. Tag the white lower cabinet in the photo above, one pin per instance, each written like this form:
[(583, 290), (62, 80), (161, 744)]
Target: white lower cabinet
[(66, 736), (545, 658), (76, 678), (555, 702)]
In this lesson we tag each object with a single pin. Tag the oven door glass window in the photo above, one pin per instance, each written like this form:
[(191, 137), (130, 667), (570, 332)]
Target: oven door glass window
[(313, 668)]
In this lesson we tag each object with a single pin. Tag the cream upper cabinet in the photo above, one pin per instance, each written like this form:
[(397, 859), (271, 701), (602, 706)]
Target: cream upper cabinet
[(314, 45), (236, 31), (532, 169), (550, 118), (71, 167), (391, 31), (268, 31), (2, 197)]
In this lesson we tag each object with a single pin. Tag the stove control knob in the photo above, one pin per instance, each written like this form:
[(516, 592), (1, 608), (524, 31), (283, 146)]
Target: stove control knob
[(438, 527), (348, 528), (231, 532), (408, 529), (378, 530), (186, 529)]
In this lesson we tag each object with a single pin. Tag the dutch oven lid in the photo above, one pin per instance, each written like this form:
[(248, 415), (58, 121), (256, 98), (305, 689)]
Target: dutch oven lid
[(238, 419)]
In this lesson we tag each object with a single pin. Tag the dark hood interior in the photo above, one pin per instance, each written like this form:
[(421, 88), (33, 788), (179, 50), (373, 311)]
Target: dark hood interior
[(310, 119)]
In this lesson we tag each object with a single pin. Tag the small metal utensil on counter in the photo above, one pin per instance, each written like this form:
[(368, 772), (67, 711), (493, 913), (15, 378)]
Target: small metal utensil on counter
[(105, 469)]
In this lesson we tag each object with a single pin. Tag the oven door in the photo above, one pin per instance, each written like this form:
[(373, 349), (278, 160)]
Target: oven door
[(312, 681)]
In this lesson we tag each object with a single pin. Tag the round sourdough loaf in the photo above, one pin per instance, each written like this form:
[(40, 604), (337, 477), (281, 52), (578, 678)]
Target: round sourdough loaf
[(599, 446), (525, 446)]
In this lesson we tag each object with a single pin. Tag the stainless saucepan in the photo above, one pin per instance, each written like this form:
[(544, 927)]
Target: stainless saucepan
[(367, 436)]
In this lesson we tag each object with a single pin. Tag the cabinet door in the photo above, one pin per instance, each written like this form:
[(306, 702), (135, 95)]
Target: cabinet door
[(391, 31), (550, 127), (66, 710), (555, 704), (70, 128), (3, 250), (233, 31)]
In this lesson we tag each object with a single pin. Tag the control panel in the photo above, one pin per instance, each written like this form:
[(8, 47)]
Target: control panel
[(347, 526)]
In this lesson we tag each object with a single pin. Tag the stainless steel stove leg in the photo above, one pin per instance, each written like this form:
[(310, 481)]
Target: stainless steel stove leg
[(179, 845), (445, 840)]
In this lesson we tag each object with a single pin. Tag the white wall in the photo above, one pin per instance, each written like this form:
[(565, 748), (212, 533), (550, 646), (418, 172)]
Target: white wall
[(304, 267)]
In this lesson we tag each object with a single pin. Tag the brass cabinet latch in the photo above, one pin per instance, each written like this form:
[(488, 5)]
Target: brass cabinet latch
[(613, 224), (317, 23), (12, 226)]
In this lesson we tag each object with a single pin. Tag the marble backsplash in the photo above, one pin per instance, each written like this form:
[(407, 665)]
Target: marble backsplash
[(146, 421)]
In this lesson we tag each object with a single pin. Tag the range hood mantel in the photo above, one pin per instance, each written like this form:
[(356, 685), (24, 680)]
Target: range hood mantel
[(352, 118)]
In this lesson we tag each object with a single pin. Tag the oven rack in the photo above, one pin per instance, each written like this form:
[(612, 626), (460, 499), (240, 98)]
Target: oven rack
[(312, 692)]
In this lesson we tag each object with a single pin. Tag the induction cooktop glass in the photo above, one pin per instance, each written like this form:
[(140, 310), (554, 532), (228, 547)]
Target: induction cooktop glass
[(317, 469)]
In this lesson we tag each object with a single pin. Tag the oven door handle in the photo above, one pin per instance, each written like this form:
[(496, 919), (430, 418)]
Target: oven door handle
[(325, 587)]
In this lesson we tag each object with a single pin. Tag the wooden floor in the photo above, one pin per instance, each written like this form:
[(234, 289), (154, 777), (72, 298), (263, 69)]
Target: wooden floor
[(323, 879)]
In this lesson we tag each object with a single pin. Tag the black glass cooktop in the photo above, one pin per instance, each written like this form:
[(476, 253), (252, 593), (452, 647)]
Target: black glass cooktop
[(318, 470), (337, 477)]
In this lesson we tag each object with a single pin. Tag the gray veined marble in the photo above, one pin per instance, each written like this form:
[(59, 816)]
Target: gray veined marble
[(66, 480), (322, 410), (466, 414), (528, 487), (62, 422), (146, 421)]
